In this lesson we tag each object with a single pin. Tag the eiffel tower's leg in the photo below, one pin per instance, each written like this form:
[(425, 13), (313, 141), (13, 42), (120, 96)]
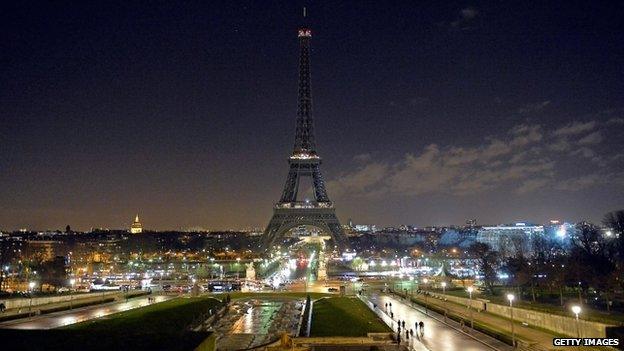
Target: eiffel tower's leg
[(339, 236), (270, 234), (292, 185), (319, 184)]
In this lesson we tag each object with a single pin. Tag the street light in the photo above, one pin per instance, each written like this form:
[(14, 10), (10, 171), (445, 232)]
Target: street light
[(425, 281), (511, 297), (470, 290), (71, 293), (576, 310), (444, 298), (31, 285)]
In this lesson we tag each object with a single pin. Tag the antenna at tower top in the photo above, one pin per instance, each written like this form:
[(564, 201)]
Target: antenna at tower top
[(305, 13)]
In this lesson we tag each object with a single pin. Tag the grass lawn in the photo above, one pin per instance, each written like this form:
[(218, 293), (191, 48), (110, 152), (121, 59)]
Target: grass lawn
[(169, 316), (344, 316), (160, 326)]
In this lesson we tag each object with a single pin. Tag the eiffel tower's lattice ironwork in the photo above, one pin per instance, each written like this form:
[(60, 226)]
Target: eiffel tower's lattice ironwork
[(290, 212)]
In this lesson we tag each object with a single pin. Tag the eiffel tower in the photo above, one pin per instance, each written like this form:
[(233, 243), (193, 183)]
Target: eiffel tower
[(289, 213)]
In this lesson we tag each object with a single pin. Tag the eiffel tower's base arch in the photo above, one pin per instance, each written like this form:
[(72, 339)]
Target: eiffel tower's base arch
[(285, 219)]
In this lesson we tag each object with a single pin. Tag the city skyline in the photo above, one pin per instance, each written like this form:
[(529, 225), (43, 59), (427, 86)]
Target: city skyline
[(425, 115)]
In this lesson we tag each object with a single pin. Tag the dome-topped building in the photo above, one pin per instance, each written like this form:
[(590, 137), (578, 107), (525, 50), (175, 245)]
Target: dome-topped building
[(136, 227)]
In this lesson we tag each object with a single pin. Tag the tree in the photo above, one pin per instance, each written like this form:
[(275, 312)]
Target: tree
[(593, 253), (518, 268), (487, 262), (54, 272), (615, 222), (5, 259)]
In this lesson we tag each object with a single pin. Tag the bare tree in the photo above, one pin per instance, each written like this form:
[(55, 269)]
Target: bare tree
[(595, 254), (487, 262), (615, 221)]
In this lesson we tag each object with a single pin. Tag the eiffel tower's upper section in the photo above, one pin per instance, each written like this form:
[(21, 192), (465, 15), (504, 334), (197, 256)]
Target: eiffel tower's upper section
[(305, 145)]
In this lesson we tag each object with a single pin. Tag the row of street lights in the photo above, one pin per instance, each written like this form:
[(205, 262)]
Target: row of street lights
[(511, 297), (575, 309)]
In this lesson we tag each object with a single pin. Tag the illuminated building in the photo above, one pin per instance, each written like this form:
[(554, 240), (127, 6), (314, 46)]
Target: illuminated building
[(511, 238), (136, 227)]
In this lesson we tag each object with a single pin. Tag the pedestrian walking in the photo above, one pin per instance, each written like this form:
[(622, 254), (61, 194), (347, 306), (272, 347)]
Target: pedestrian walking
[(412, 332), (422, 328), (391, 315), (403, 324), (2, 307)]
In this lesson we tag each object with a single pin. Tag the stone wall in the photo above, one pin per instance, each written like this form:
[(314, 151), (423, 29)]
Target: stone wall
[(478, 304), (37, 301), (560, 324)]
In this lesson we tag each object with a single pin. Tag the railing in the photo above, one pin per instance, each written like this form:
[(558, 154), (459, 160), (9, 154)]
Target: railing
[(307, 204)]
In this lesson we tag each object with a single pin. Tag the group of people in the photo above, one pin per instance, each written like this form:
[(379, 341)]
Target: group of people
[(419, 326)]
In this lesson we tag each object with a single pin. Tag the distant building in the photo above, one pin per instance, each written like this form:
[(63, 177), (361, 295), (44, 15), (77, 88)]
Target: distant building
[(136, 227), (511, 238), (365, 228)]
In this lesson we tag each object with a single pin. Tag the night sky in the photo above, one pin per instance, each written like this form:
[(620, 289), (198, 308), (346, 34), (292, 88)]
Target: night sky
[(425, 113)]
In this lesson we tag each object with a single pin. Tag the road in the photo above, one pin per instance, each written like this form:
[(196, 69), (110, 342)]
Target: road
[(438, 336), (62, 318)]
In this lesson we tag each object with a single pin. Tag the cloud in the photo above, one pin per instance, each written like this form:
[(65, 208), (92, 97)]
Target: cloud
[(522, 160), (593, 138), (467, 15), (615, 121), (561, 145), (533, 107), (580, 183), (575, 128), (584, 151), (418, 100), (530, 185), (362, 181), (525, 134), (362, 157), (455, 170)]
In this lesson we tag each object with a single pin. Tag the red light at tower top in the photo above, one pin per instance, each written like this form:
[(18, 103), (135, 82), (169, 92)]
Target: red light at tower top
[(305, 32)]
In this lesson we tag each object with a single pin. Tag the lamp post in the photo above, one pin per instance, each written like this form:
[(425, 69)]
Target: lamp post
[(511, 297), (237, 268), (425, 281), (71, 293), (31, 287), (470, 290), (444, 298), (576, 310)]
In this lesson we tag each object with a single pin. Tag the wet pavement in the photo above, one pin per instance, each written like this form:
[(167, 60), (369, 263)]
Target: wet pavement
[(438, 336), (252, 322), (63, 318)]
